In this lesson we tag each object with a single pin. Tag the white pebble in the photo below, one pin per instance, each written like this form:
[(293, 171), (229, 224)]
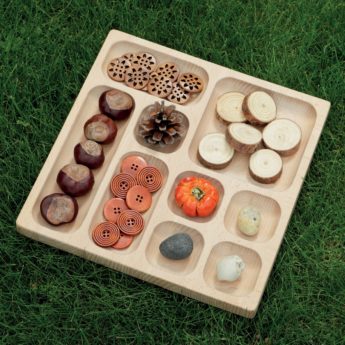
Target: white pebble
[(248, 220), (230, 268)]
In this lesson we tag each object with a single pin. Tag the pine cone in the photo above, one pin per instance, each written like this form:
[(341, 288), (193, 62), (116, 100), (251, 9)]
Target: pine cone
[(162, 125)]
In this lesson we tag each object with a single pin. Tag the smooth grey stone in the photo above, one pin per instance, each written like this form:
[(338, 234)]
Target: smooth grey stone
[(177, 247)]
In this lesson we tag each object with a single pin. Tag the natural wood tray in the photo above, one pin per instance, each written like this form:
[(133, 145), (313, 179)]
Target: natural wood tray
[(213, 237)]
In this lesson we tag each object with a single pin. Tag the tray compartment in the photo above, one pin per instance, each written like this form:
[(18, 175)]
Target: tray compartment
[(175, 209), (165, 230), (301, 112), (246, 283), (98, 216), (268, 207), (65, 156), (167, 148), (120, 48)]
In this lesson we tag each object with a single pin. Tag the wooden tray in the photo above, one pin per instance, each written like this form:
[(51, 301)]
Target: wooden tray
[(213, 237)]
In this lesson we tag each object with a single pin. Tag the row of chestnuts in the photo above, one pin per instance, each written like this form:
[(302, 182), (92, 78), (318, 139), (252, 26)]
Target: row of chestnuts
[(76, 179)]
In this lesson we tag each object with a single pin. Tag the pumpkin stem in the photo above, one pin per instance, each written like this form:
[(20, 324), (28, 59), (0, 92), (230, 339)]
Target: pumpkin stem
[(198, 193)]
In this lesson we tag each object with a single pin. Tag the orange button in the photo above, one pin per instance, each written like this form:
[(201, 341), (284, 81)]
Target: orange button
[(151, 178), (121, 183), (106, 234), (131, 222), (139, 198), (124, 241), (132, 165), (113, 208)]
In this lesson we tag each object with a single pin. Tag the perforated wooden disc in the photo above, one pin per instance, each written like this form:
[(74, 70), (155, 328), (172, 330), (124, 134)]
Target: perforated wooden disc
[(117, 69), (160, 87), (191, 82), (129, 57), (178, 94), (137, 77), (168, 70), (145, 60)]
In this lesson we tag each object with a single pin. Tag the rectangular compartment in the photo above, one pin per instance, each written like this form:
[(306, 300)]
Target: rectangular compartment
[(125, 46), (65, 156), (194, 277), (98, 213)]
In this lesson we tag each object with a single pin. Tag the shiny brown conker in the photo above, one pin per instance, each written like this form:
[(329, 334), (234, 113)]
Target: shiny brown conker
[(100, 128), (75, 179), (89, 153), (59, 208), (116, 104)]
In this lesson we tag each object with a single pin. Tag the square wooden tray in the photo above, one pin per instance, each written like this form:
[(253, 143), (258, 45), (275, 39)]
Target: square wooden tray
[(213, 237)]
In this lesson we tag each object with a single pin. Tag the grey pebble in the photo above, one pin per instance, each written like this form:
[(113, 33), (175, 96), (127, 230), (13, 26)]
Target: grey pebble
[(177, 247)]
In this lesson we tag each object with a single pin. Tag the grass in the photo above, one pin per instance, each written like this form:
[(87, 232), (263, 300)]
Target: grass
[(46, 50)]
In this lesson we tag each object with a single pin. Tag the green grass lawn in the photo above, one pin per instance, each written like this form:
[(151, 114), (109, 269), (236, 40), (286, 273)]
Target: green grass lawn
[(46, 51)]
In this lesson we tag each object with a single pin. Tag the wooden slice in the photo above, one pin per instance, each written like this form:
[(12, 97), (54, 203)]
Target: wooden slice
[(265, 166), (229, 107), (178, 95), (282, 136), (214, 151), (145, 60), (259, 108), (160, 87), (243, 138), (191, 82), (137, 77), (169, 70), (117, 69)]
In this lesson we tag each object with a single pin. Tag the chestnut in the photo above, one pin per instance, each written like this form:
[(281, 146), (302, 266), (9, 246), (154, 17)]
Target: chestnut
[(89, 153), (116, 104), (75, 179), (100, 128), (59, 208)]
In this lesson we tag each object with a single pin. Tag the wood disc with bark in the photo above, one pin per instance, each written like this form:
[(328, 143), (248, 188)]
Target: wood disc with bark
[(282, 136), (214, 151), (243, 138), (229, 107), (259, 108), (265, 166)]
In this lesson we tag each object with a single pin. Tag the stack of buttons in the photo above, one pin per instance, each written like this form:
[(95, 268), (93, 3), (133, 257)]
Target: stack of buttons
[(132, 189)]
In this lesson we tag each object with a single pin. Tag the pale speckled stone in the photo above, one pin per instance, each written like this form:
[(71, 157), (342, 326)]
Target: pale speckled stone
[(230, 268), (248, 220)]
